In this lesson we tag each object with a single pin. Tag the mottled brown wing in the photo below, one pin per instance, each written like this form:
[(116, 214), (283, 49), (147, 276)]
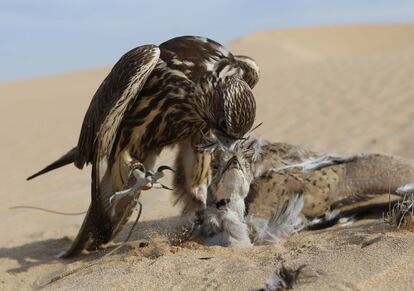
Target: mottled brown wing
[(114, 97), (116, 93), (251, 72)]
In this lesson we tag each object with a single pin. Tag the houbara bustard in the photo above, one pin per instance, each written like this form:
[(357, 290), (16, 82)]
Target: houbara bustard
[(180, 92), (263, 191)]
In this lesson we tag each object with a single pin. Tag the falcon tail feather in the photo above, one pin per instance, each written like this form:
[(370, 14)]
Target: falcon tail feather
[(66, 159)]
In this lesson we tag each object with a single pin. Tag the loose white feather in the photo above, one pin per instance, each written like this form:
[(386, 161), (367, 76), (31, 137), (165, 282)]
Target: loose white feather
[(286, 221), (234, 231), (408, 188), (224, 227)]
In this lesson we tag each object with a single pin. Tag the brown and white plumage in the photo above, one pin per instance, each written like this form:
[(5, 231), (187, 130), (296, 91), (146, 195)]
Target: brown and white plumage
[(257, 177), (156, 96)]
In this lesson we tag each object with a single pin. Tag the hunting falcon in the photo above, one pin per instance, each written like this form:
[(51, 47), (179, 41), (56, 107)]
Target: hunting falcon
[(183, 92)]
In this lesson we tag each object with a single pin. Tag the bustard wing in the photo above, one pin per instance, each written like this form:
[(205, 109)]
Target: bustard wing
[(99, 130)]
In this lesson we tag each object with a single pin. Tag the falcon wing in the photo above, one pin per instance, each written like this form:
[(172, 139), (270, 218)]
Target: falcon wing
[(113, 97), (100, 127), (251, 72)]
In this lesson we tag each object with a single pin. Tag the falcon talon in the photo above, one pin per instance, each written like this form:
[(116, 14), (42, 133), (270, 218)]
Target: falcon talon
[(144, 181), (158, 175), (119, 195), (162, 186), (195, 231), (141, 180)]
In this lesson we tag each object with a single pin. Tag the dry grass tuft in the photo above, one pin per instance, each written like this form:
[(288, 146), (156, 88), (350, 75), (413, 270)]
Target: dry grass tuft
[(401, 214)]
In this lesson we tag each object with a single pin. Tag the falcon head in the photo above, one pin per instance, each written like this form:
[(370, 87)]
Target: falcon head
[(229, 109)]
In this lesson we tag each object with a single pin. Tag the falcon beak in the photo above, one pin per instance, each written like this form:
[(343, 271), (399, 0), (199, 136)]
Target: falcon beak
[(224, 140)]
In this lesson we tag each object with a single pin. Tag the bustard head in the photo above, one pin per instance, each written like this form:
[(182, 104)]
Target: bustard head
[(233, 170)]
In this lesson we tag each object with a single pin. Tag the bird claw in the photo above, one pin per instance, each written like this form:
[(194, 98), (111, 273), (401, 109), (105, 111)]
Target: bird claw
[(144, 181), (197, 224), (158, 175)]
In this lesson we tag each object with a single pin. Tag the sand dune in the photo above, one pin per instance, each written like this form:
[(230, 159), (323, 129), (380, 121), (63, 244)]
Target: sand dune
[(342, 89)]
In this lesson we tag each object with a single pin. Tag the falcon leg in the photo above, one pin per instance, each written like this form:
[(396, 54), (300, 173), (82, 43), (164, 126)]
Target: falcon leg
[(142, 181), (192, 177)]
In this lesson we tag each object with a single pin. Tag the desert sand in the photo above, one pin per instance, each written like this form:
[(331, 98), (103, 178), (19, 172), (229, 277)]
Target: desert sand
[(340, 89)]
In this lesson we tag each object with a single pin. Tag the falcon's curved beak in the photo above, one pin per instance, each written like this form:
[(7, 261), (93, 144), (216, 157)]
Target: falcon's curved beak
[(225, 141)]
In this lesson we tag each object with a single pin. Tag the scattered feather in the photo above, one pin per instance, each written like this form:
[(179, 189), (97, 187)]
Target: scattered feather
[(315, 163), (285, 222), (233, 231), (408, 188), (285, 278)]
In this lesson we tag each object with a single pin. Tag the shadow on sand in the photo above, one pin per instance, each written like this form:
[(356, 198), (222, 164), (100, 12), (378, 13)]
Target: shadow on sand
[(174, 229), (41, 252), (34, 253)]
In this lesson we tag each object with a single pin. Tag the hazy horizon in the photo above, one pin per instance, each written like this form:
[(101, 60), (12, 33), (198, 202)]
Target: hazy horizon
[(47, 37)]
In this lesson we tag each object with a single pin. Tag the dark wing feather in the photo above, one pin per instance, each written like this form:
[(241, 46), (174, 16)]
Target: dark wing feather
[(251, 72), (114, 95), (99, 130)]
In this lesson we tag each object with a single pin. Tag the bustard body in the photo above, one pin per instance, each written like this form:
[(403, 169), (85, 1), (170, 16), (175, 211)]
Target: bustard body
[(257, 178)]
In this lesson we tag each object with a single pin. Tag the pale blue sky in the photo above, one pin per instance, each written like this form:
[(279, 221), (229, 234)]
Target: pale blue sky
[(43, 37)]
